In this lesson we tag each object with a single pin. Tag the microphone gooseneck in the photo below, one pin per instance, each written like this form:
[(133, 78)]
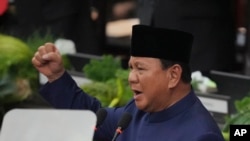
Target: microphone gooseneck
[(101, 115), (122, 124)]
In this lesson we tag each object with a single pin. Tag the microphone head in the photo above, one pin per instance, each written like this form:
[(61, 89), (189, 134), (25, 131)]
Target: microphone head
[(101, 115), (124, 121)]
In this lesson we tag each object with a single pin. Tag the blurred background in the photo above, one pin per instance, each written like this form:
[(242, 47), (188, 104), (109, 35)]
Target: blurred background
[(103, 27), (84, 30)]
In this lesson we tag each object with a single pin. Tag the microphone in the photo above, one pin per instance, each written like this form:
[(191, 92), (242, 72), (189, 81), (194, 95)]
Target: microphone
[(101, 115), (122, 124)]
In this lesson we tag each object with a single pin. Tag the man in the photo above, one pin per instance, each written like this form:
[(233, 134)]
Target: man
[(164, 106)]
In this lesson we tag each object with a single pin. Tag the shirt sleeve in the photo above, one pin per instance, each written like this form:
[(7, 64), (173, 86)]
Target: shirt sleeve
[(64, 93)]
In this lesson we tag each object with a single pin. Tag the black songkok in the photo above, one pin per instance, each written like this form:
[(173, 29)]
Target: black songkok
[(168, 44)]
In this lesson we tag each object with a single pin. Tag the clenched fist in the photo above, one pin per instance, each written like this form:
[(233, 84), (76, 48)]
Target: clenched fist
[(48, 61)]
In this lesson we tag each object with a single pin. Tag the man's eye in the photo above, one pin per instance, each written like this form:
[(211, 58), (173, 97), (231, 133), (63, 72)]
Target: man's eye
[(140, 68)]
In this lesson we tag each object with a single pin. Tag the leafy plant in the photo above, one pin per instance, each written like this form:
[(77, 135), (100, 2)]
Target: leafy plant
[(36, 39), (241, 117), (15, 69), (226, 136), (110, 83), (102, 70)]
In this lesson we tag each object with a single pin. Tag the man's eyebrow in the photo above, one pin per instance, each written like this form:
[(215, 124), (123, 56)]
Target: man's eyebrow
[(140, 64)]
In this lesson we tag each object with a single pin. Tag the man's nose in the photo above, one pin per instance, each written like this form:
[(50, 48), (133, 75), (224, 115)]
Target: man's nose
[(132, 78)]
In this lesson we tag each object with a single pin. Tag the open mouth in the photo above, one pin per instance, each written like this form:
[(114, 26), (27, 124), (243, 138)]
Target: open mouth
[(137, 92)]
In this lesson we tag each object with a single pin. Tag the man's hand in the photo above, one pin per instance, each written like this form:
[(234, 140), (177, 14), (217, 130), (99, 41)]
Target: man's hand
[(48, 61)]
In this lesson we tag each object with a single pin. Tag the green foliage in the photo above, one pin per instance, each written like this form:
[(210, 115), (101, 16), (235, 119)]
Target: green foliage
[(226, 136), (241, 117), (102, 91), (15, 56), (36, 40), (15, 69), (110, 86), (124, 92), (243, 105), (102, 70)]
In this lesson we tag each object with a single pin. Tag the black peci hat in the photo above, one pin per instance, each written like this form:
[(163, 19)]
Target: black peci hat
[(161, 43)]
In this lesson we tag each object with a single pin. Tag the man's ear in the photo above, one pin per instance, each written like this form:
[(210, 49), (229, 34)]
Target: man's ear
[(175, 72)]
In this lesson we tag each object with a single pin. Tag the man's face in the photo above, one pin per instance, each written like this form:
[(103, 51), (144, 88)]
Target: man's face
[(149, 83)]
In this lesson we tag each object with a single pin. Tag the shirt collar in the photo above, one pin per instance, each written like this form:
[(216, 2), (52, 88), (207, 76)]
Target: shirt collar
[(174, 110)]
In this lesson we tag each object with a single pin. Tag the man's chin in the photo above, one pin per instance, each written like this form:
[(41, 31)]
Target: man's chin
[(141, 106)]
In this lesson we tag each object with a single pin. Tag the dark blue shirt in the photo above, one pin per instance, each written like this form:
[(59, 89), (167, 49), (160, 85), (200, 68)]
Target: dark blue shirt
[(187, 120)]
